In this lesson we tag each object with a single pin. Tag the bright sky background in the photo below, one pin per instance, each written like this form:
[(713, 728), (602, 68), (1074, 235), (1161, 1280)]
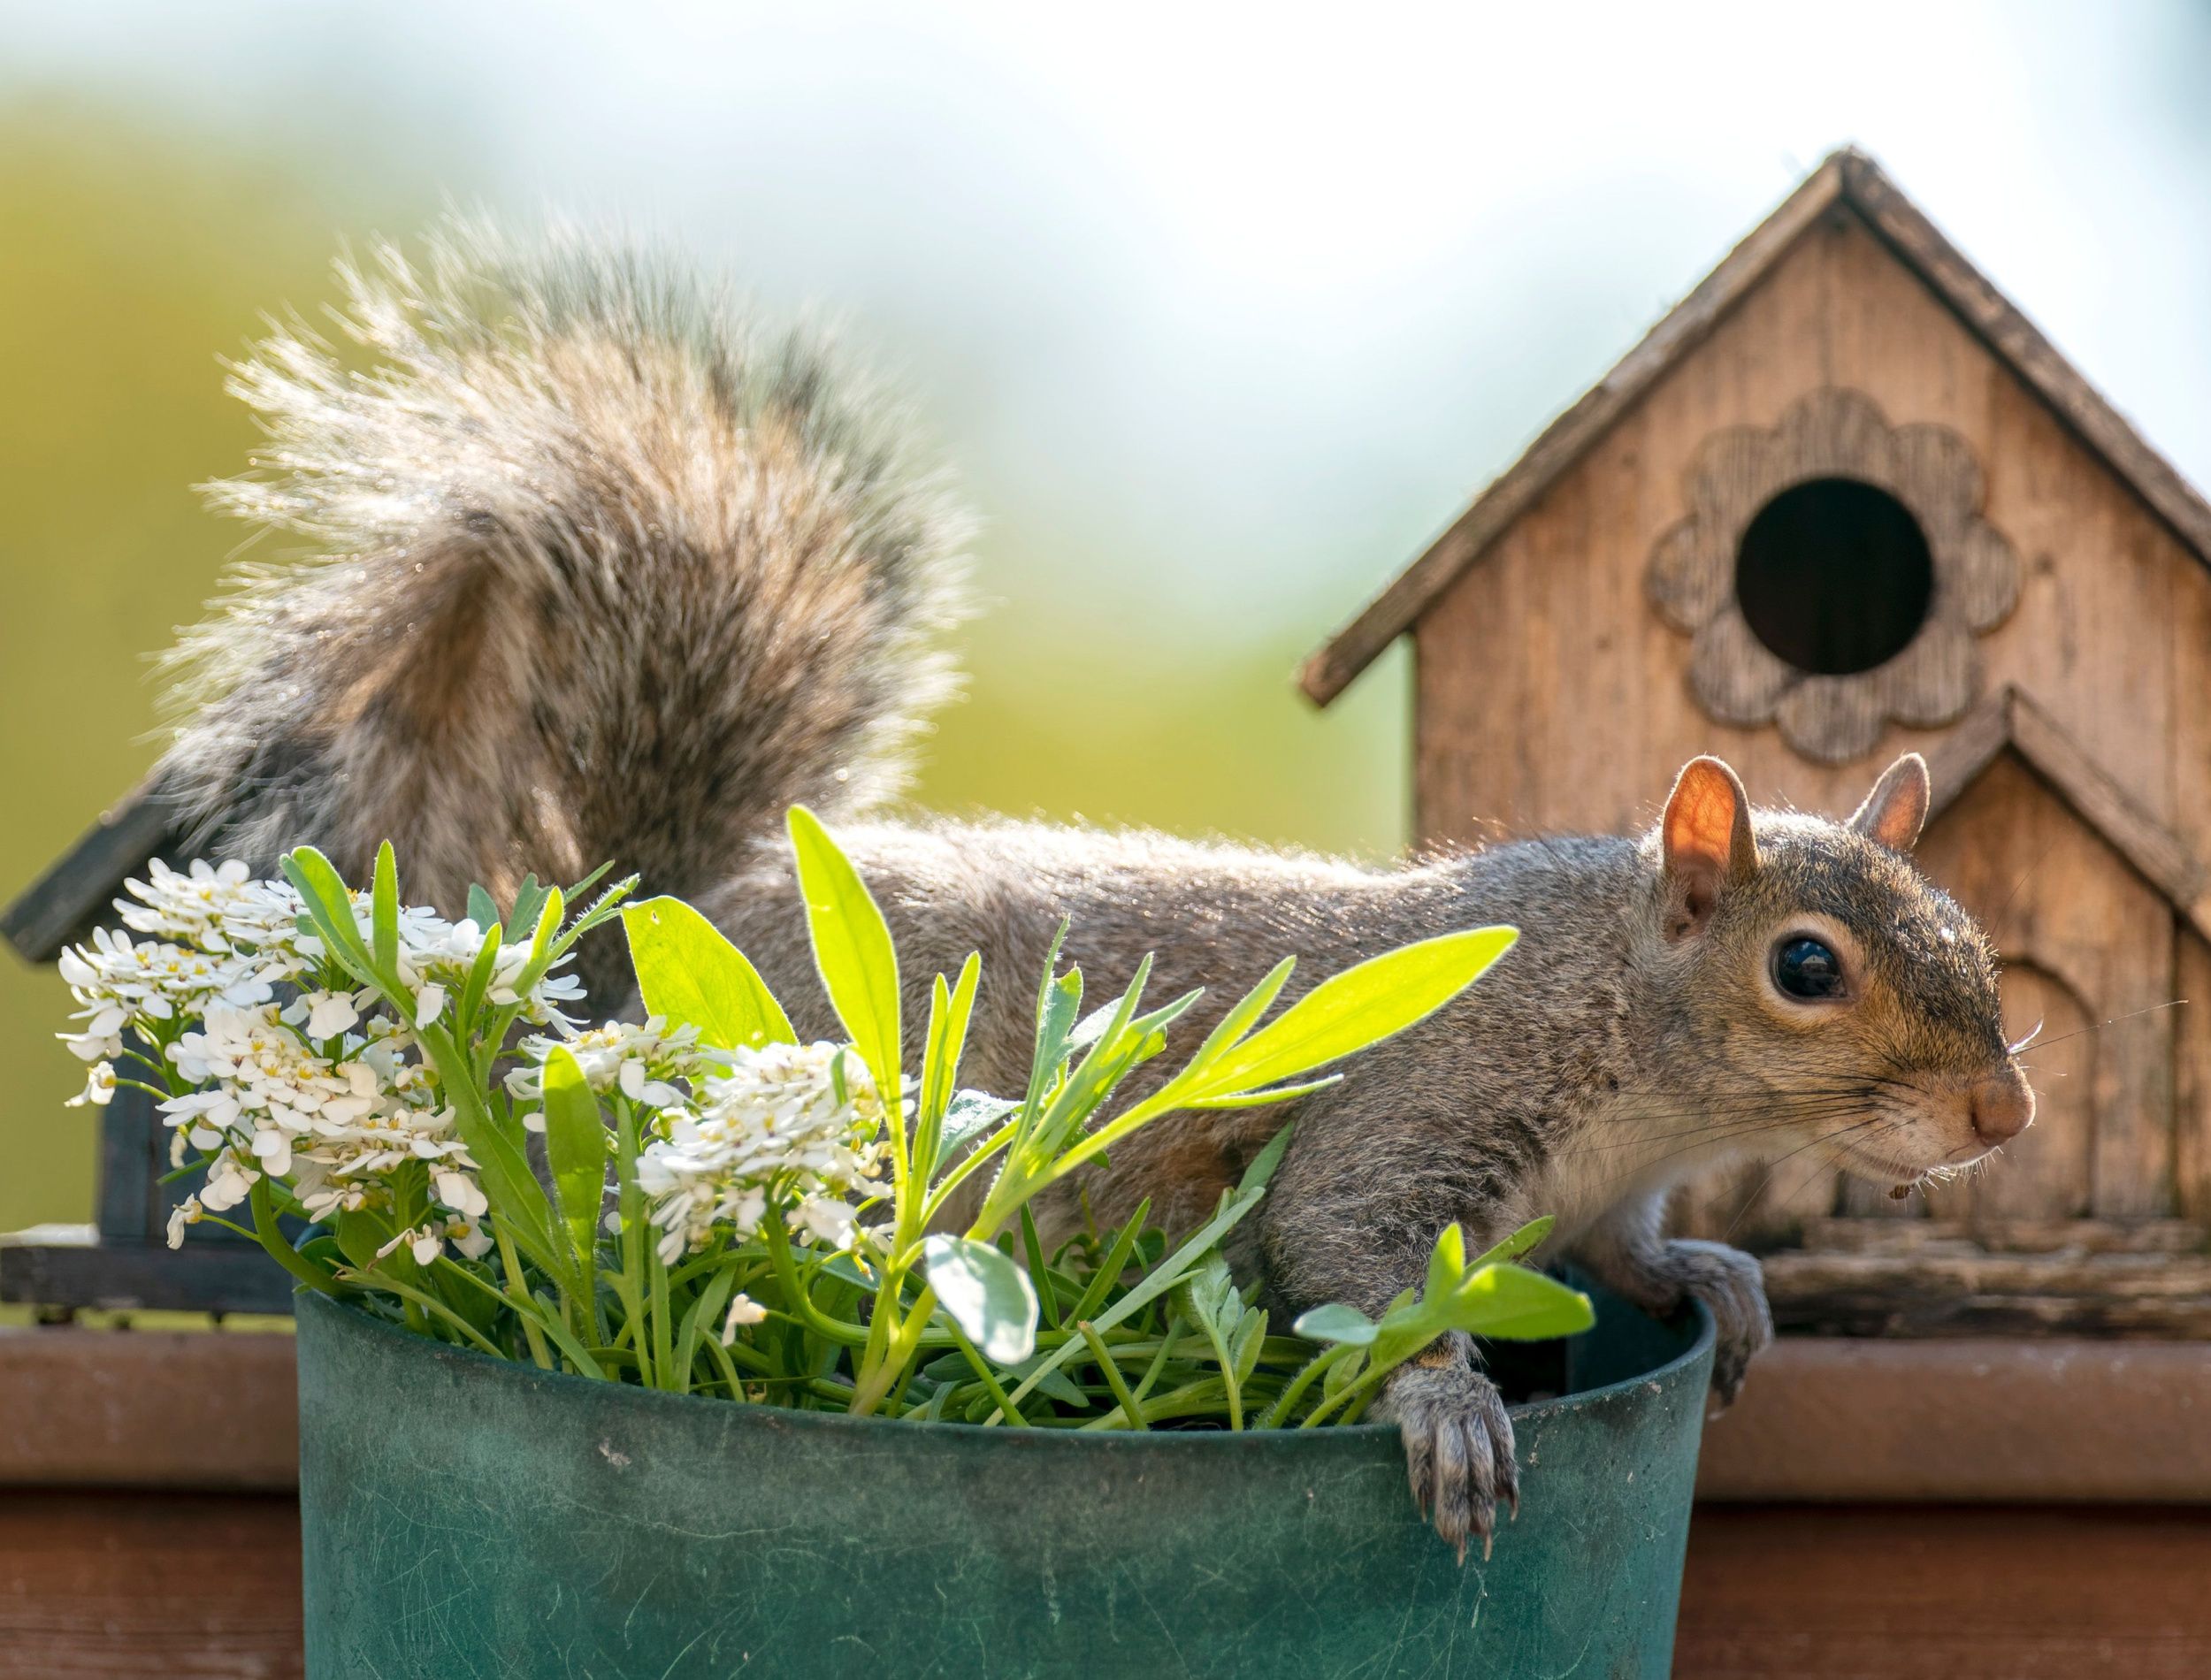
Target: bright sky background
[(1264, 291)]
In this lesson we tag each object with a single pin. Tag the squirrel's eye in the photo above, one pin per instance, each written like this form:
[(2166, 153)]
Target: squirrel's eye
[(1806, 968)]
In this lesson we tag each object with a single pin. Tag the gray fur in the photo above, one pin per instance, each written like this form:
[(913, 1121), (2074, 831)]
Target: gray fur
[(599, 577)]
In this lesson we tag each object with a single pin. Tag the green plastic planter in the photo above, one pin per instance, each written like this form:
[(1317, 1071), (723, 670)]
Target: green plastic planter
[(465, 1516)]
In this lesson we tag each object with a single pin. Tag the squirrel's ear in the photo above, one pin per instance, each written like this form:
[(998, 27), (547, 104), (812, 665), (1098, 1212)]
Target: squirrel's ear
[(1896, 808), (1706, 833)]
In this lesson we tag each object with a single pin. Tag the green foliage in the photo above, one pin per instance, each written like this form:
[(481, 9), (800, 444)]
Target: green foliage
[(975, 1286), (687, 972)]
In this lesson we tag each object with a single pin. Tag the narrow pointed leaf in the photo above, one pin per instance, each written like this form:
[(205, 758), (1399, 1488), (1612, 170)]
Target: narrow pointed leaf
[(852, 947), (576, 1151), (1359, 1007), (1337, 1323)]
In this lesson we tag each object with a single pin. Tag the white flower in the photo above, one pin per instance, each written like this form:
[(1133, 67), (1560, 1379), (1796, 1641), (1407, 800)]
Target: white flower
[(640, 1061), (99, 1087), (828, 1220), (229, 1182), (326, 1014), (469, 1236), (115, 980), (186, 1212), (777, 1121), (429, 1005), (425, 1242), (187, 907), (461, 1193), (743, 1310)]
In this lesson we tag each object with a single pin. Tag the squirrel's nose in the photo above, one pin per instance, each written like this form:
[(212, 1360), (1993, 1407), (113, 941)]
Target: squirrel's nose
[(2003, 1106)]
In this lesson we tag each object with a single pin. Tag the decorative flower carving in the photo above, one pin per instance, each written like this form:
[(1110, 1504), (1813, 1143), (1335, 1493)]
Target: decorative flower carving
[(1834, 433)]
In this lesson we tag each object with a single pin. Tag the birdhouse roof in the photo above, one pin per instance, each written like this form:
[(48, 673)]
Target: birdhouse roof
[(1847, 180)]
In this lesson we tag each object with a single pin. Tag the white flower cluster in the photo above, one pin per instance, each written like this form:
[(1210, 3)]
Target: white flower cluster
[(320, 1090), (640, 1061), (803, 1119), (336, 1126)]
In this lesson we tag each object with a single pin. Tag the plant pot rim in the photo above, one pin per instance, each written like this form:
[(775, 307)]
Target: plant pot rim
[(313, 1302)]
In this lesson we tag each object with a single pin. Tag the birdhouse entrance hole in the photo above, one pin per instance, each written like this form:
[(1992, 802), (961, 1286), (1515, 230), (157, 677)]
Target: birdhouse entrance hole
[(1835, 576)]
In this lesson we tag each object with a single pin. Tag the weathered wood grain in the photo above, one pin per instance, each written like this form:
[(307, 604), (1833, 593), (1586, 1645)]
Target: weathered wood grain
[(1847, 185), (128, 1586), (2155, 1296), (1813, 1592)]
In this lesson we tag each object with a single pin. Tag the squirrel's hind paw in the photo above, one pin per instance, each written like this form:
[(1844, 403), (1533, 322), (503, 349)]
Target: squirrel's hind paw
[(1459, 1448)]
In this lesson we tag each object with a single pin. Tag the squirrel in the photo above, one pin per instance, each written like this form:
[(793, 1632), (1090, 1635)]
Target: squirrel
[(595, 569)]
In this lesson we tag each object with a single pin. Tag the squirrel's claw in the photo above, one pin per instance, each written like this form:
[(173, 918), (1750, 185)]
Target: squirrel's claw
[(1730, 1283), (1458, 1448)]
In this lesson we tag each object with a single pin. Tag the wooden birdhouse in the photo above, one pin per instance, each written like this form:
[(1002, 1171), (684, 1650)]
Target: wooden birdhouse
[(1842, 502)]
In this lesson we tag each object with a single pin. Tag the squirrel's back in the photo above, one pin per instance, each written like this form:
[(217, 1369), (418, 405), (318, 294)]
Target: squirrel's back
[(594, 570)]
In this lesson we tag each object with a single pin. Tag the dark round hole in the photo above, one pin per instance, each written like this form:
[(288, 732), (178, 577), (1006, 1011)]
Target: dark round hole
[(1834, 576)]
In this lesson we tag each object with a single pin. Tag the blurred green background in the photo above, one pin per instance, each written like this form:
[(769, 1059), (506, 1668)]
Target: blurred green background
[(1220, 313)]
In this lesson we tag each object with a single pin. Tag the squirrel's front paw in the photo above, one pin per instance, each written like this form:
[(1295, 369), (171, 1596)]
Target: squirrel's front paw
[(1729, 1282), (1458, 1442)]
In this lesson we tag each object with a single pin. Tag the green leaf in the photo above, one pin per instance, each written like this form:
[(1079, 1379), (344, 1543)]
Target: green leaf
[(690, 972), (986, 1294), (1337, 1323), (576, 1151), (360, 1233), (1211, 1297), (972, 1113), (384, 909), (949, 1008), (852, 948), (1363, 1005), (1053, 1385), (330, 907), (1447, 1262), (1512, 1303), (529, 901), (1528, 1236), (1244, 1014), (1256, 1176), (1162, 1278), (483, 909), (1056, 1010)]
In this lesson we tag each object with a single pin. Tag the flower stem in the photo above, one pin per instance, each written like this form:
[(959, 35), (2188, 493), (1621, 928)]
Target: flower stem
[(518, 1297)]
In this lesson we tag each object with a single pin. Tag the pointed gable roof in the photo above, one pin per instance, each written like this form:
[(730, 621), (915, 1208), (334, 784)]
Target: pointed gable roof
[(2008, 721), (1847, 178)]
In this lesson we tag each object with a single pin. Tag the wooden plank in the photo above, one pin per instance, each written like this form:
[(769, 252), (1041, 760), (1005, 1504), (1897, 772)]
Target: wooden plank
[(69, 1266), (72, 898), (213, 1410), (1911, 1593), (1562, 443), (2010, 1236), (185, 1586), (1948, 1295), (1930, 1422), (2191, 1097)]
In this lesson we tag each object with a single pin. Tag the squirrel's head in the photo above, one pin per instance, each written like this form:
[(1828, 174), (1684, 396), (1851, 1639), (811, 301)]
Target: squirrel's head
[(1828, 978)]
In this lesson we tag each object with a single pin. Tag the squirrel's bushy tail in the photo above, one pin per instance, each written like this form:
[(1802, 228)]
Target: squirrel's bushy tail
[(594, 572)]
